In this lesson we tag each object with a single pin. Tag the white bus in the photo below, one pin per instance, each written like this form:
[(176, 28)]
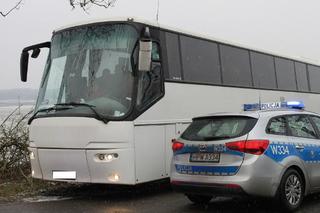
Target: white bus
[(115, 92)]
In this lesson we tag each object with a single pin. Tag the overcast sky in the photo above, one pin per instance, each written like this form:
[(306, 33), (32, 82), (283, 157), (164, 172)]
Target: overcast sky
[(287, 27)]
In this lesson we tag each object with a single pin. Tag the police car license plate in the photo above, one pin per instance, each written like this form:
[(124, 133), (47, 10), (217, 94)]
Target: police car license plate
[(205, 157)]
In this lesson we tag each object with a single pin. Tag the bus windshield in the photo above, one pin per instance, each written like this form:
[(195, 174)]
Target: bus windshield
[(90, 65)]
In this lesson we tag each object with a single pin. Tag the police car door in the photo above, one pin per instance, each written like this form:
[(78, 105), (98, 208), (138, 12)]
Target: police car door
[(316, 124), (279, 148), (305, 141)]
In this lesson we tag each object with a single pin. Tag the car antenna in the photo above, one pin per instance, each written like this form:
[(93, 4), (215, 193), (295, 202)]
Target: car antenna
[(259, 101)]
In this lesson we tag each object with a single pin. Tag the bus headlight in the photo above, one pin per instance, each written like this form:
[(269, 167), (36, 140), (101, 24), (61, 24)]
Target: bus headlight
[(100, 156), (107, 157)]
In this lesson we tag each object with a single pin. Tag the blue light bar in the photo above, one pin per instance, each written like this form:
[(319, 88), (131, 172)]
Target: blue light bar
[(294, 104), (251, 107), (274, 105)]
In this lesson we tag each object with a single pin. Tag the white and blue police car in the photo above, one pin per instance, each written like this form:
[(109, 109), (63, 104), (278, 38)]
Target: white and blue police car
[(272, 152)]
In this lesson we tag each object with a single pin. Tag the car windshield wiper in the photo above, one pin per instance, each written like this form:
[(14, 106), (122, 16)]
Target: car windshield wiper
[(53, 108), (76, 104)]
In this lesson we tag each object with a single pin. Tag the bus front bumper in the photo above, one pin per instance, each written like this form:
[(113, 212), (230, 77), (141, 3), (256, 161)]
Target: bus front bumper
[(109, 166)]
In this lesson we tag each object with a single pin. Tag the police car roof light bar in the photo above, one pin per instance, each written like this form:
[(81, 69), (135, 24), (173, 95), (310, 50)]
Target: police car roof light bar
[(274, 105), (295, 104)]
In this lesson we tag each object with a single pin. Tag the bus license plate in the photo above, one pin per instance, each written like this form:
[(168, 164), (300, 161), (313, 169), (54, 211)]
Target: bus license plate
[(205, 157), (64, 175)]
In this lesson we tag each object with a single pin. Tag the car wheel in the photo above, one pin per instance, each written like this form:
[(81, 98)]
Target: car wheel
[(291, 190), (199, 199)]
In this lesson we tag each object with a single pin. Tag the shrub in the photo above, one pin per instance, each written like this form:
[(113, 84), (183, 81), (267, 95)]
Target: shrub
[(14, 140)]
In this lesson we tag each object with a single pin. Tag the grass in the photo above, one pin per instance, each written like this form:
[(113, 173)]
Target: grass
[(18, 190), (14, 190)]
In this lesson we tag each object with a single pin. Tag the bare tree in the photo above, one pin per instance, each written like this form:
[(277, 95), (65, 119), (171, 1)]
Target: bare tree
[(15, 7), (14, 140), (84, 4)]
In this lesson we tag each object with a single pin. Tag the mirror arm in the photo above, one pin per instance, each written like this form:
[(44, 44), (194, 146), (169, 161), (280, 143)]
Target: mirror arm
[(145, 36), (24, 59), (37, 46)]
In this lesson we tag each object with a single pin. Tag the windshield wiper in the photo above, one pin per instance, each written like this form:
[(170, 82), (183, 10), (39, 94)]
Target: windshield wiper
[(76, 104), (53, 108)]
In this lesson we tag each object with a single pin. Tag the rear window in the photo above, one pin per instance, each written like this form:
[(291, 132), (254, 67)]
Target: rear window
[(218, 128)]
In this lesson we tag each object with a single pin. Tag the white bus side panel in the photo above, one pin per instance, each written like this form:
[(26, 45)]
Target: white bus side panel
[(149, 152), (153, 150), (170, 134), (184, 101)]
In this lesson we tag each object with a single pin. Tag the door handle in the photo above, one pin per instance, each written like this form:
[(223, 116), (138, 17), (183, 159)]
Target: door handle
[(299, 147)]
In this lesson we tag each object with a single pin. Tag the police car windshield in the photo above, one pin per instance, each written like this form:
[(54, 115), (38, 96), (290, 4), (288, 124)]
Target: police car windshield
[(218, 128)]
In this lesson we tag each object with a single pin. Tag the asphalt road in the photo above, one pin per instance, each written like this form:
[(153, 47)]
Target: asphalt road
[(102, 199)]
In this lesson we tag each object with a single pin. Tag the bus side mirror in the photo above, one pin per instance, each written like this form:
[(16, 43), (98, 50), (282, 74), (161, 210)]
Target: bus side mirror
[(145, 48), (24, 61), (24, 58)]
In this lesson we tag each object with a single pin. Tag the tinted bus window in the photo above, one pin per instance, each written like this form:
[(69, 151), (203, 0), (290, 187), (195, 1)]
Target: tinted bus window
[(263, 72), (200, 60), (285, 74), (302, 79), (235, 66), (173, 56), (314, 78)]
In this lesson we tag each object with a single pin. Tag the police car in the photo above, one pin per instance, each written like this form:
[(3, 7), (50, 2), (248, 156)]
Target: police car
[(266, 152)]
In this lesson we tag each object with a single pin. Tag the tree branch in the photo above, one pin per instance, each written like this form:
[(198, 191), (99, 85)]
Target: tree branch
[(83, 4), (86, 4), (16, 7)]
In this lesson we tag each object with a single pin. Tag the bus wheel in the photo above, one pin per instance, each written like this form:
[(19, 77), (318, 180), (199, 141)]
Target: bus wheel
[(291, 190), (199, 199)]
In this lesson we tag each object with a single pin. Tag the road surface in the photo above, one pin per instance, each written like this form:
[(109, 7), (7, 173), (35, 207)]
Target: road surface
[(102, 199)]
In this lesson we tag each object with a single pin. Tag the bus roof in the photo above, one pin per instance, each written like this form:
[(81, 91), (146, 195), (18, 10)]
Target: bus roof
[(195, 34)]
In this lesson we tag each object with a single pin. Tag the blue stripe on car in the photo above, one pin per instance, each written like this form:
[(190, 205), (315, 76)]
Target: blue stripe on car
[(278, 151), (206, 170)]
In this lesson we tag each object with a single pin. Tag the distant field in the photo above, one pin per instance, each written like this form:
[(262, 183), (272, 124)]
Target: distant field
[(7, 110), (15, 102)]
